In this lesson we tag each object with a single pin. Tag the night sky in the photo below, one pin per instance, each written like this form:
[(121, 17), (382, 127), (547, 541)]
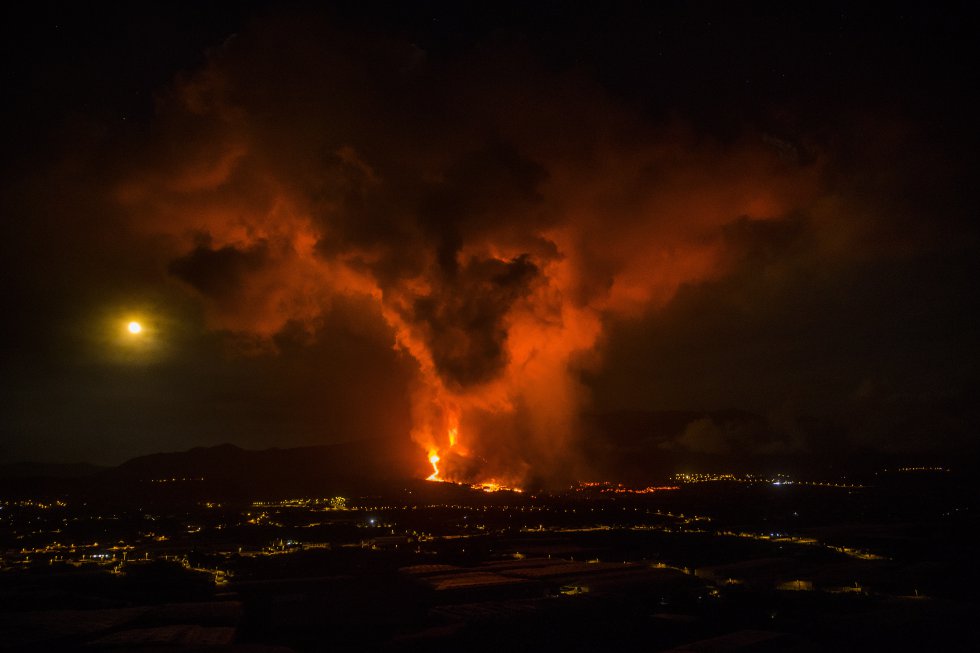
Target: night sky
[(479, 226)]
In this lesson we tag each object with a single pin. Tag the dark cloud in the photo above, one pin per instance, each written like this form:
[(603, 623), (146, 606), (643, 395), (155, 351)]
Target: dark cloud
[(475, 193), (219, 274), (465, 321)]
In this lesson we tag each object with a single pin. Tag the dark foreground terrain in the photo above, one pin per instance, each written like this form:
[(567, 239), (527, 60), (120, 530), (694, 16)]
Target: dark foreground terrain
[(707, 562)]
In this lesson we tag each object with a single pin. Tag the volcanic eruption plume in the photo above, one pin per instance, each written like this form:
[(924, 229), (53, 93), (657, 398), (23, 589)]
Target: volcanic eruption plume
[(496, 214)]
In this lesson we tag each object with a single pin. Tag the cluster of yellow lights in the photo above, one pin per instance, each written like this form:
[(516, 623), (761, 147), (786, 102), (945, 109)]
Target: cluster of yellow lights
[(619, 488), (650, 489)]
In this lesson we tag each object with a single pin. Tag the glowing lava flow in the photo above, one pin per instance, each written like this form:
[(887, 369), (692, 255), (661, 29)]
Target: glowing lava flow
[(434, 461), (485, 486), (494, 486), (491, 485), (434, 458)]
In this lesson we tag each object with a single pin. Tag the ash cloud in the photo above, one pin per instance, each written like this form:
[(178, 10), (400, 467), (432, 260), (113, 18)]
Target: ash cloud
[(500, 216), (219, 274), (476, 192), (710, 224), (464, 322)]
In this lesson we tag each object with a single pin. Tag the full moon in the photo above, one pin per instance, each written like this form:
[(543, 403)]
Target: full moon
[(134, 327)]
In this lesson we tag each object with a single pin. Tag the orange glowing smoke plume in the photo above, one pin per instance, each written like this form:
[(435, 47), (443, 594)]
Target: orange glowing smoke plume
[(494, 263)]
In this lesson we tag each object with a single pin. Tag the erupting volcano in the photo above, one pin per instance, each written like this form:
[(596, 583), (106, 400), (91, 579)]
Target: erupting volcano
[(495, 245), (460, 452)]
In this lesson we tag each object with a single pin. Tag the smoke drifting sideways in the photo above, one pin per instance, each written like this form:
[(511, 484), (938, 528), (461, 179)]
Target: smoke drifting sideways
[(498, 214)]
